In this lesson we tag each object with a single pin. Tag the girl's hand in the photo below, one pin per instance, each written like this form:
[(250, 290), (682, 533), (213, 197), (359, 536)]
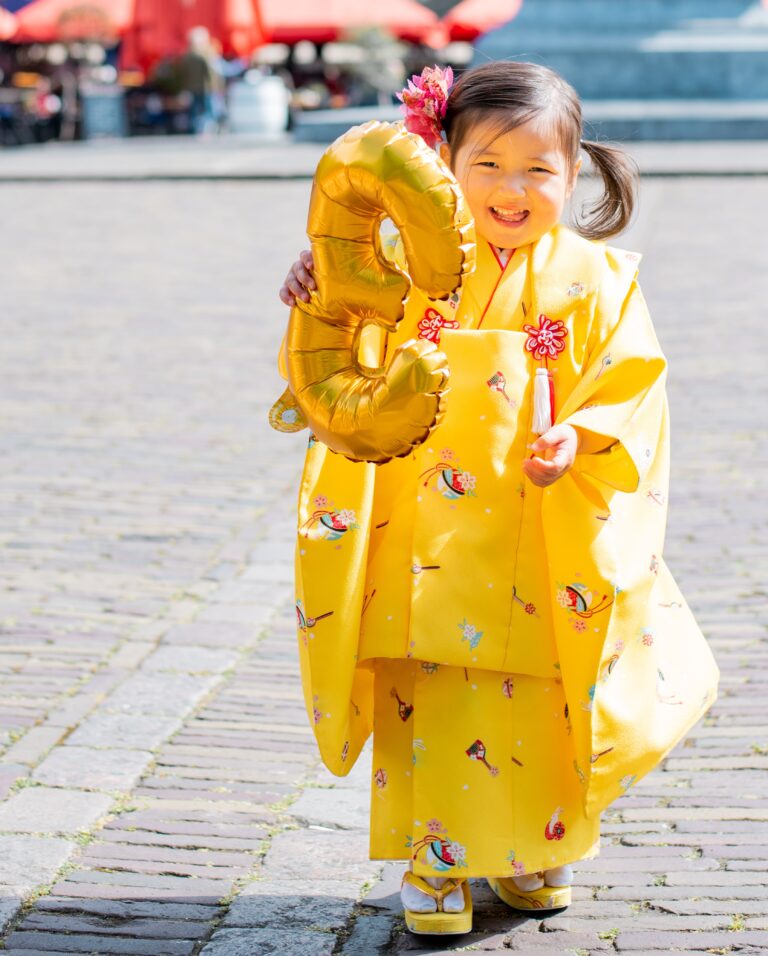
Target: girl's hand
[(299, 280), (560, 446)]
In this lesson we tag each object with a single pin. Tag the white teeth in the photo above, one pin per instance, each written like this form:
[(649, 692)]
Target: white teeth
[(501, 211)]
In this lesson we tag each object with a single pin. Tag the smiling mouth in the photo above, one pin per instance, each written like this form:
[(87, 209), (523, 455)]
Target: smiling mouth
[(510, 217)]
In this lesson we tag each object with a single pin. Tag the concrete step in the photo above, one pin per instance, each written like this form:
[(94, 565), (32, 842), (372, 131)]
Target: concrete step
[(715, 40), (643, 15), (634, 72), (675, 120), (630, 120), (324, 126)]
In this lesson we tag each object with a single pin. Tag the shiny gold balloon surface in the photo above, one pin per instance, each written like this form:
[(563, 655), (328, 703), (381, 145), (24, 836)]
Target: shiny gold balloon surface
[(374, 171)]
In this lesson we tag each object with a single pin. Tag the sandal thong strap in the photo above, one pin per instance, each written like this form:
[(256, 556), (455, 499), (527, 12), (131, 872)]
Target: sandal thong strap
[(437, 894)]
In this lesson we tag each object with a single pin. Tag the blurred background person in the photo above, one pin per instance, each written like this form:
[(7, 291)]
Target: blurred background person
[(197, 78), (45, 108)]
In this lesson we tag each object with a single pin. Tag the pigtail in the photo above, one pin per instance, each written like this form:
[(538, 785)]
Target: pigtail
[(612, 212)]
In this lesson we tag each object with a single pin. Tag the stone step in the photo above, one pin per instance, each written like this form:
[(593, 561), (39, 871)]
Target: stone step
[(713, 38), (630, 120), (559, 15), (658, 67), (675, 120)]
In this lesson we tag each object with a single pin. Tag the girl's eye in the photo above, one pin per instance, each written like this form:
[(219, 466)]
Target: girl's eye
[(538, 169), (487, 162)]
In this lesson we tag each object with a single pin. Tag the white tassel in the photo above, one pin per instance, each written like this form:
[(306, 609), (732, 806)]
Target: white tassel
[(542, 401)]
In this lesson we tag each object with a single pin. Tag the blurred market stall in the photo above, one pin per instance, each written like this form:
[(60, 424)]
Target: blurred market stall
[(48, 21), (8, 25), (331, 20), (160, 28)]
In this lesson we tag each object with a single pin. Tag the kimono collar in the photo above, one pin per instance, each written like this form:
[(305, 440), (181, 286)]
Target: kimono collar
[(492, 284)]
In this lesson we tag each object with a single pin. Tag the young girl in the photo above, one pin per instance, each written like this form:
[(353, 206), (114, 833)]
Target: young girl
[(495, 606)]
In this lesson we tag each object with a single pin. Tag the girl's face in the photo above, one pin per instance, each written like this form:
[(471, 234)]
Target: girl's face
[(517, 186)]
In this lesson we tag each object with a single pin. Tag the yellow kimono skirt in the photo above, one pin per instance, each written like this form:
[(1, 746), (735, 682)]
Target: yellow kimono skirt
[(473, 756)]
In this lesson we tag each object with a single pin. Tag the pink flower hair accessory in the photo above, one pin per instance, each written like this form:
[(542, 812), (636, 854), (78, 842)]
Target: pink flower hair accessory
[(424, 102)]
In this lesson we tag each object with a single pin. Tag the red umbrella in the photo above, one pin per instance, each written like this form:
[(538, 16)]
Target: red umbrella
[(7, 25), (471, 18), (288, 21), (160, 28), (47, 20)]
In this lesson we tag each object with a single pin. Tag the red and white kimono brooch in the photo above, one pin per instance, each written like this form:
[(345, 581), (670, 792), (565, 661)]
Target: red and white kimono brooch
[(544, 343)]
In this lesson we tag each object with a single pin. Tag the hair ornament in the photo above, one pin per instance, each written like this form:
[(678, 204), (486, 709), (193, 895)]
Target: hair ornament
[(424, 103)]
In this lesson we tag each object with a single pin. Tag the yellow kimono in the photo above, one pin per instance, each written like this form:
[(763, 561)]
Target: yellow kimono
[(522, 655)]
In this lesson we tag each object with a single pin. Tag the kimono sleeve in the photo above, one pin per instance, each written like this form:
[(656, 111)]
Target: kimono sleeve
[(617, 407)]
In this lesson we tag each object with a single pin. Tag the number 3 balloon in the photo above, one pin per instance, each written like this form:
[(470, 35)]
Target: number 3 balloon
[(373, 172)]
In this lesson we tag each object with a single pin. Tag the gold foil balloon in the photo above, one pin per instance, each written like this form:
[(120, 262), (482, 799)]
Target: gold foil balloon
[(373, 172)]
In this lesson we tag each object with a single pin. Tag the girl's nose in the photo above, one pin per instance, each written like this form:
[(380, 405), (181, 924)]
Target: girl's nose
[(514, 187)]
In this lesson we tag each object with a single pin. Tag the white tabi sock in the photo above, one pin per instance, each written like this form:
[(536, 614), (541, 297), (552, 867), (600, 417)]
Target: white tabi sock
[(528, 882), (559, 875), (416, 901)]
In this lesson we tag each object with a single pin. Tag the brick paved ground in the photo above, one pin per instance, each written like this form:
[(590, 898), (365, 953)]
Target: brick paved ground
[(160, 788)]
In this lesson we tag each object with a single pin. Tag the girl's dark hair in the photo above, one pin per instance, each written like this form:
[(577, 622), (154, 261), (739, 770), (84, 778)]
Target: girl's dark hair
[(512, 93)]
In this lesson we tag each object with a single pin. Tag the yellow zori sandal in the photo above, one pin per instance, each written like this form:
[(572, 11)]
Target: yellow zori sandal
[(440, 921), (545, 898)]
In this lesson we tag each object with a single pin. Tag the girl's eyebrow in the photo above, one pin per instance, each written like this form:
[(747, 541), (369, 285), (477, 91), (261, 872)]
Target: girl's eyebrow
[(531, 159)]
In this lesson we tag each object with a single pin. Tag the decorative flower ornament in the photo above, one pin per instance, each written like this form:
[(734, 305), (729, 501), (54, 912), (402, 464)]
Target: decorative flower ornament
[(546, 341), (424, 102), (431, 324)]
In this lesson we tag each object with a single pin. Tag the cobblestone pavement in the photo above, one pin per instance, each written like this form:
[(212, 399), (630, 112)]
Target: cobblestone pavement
[(160, 790)]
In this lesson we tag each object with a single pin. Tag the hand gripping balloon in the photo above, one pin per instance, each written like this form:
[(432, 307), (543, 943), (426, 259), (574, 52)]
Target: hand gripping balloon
[(374, 171)]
